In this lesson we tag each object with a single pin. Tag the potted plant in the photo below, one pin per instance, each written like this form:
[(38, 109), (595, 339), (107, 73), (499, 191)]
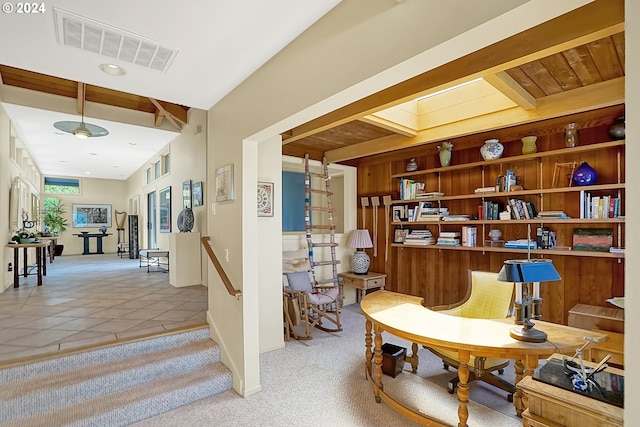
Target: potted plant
[(55, 221)]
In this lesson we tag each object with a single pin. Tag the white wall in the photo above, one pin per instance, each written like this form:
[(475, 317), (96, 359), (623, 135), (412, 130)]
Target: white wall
[(188, 162)]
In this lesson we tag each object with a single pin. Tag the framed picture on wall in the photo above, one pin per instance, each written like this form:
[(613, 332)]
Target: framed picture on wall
[(186, 194), (197, 194), (224, 183), (265, 198), (90, 215), (165, 210)]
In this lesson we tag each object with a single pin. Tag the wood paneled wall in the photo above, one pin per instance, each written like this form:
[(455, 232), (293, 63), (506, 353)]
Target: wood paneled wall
[(440, 276)]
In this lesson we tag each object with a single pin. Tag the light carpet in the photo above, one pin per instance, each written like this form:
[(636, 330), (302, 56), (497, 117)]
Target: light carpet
[(114, 386), (321, 382)]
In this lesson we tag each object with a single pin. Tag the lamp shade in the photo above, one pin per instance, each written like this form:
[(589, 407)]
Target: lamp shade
[(360, 239), (528, 271)]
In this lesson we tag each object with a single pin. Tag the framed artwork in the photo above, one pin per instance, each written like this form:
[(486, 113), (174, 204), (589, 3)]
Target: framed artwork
[(398, 213), (197, 194), (400, 235), (224, 183), (265, 198), (186, 194), (165, 210), (89, 215)]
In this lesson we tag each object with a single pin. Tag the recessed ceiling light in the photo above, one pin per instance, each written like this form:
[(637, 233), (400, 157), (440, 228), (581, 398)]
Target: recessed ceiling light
[(93, 154), (132, 143), (87, 173), (112, 69), (62, 161)]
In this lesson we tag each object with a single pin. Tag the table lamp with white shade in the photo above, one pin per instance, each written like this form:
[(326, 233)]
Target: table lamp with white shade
[(359, 240)]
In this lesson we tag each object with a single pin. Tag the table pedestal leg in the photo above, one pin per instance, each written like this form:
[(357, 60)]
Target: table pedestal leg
[(44, 260), (368, 355), (25, 266), (377, 359), (39, 265), (16, 275), (463, 388)]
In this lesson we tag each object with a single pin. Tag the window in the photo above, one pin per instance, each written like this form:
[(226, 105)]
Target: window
[(293, 201), (148, 175), (61, 185), (157, 169), (166, 164)]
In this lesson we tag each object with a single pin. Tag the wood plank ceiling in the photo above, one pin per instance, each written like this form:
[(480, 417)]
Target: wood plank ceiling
[(174, 113), (586, 64)]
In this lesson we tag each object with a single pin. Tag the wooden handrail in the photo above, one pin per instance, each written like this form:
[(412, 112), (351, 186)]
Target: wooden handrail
[(225, 279)]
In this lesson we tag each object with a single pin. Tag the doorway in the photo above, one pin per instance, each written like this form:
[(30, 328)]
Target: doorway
[(151, 220)]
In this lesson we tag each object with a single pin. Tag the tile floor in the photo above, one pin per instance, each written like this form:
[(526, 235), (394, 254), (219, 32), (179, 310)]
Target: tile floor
[(94, 299)]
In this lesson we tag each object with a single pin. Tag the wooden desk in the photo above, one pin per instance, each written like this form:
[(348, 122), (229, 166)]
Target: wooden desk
[(551, 406), (98, 237), (41, 249), (363, 282), (405, 317)]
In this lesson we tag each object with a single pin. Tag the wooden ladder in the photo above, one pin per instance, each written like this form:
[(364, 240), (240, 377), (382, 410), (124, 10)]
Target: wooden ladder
[(317, 196)]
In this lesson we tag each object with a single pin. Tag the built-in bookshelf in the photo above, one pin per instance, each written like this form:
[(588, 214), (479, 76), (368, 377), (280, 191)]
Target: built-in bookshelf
[(542, 199)]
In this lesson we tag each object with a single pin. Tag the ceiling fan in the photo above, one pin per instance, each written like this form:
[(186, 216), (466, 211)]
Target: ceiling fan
[(81, 129)]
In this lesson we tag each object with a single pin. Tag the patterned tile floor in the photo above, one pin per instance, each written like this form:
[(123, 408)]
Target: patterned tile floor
[(88, 300)]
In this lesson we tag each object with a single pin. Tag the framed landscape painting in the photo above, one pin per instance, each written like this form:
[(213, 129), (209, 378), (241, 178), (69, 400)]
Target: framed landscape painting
[(91, 215)]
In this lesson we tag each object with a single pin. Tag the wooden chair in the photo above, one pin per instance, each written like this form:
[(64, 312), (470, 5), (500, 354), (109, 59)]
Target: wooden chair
[(306, 304), (486, 298)]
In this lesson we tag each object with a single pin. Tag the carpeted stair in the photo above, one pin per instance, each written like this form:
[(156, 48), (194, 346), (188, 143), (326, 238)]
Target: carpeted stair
[(115, 386)]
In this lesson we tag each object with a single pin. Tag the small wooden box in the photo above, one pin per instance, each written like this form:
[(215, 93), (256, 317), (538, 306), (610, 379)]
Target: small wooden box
[(393, 358)]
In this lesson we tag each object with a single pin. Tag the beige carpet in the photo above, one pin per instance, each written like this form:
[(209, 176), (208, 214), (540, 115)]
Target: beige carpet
[(321, 383)]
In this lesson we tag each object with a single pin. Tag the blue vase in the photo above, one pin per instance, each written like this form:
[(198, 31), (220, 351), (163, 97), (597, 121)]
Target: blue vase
[(584, 175)]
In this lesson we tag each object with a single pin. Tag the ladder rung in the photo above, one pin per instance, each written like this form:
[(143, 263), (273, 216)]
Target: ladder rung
[(321, 227), (336, 262), (322, 209), (319, 175), (324, 245), (328, 193)]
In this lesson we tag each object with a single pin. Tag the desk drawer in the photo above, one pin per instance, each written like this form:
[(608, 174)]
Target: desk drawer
[(374, 283)]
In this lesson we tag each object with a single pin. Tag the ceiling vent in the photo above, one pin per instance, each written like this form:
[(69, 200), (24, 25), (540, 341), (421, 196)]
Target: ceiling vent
[(83, 33)]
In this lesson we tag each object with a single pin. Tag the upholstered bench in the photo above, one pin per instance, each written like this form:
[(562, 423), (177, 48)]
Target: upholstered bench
[(154, 258)]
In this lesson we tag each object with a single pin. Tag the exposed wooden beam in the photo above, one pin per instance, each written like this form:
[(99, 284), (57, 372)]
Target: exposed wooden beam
[(82, 88), (598, 95), (511, 89), (588, 23), (164, 113), (388, 125), (177, 112)]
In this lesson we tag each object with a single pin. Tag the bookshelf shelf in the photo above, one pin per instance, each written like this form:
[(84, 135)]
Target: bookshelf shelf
[(536, 170)]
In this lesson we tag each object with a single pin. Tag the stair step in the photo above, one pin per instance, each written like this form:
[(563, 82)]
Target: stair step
[(136, 403), (116, 385)]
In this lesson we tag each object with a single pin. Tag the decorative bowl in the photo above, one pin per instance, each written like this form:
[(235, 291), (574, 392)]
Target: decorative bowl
[(27, 240)]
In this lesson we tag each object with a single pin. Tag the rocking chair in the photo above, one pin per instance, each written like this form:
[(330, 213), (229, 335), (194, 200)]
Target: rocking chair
[(307, 305), (486, 298)]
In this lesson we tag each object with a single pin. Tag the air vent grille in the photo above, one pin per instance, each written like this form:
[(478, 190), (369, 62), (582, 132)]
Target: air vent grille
[(83, 33)]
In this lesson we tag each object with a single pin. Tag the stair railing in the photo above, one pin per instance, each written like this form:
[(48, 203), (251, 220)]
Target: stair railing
[(225, 279)]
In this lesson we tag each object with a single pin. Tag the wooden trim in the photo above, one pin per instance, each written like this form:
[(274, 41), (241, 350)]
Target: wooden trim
[(588, 23), (225, 279)]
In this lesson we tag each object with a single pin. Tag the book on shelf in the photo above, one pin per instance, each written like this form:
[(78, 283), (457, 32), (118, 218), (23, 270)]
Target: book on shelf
[(521, 244), (469, 236), (552, 215), (449, 234), (485, 190), (429, 195), (456, 218), (598, 207)]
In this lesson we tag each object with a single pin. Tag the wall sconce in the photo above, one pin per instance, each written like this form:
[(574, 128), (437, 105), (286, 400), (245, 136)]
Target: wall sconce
[(527, 274), (360, 240)]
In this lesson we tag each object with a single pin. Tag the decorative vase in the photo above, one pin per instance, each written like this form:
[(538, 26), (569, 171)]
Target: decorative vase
[(412, 165), (185, 220), (492, 149), (529, 145), (616, 130), (584, 175), (570, 135), (495, 235), (360, 262), (103, 229), (445, 157)]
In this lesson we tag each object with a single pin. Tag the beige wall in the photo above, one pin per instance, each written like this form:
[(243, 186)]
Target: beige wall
[(350, 53)]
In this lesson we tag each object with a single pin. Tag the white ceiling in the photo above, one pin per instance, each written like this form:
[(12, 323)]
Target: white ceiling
[(219, 44)]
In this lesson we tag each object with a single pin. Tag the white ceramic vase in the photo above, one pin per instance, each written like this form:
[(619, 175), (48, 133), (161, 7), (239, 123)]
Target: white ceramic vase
[(492, 149)]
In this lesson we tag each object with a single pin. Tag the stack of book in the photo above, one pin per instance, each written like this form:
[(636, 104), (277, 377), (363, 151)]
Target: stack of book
[(419, 238), (456, 218), (449, 238), (552, 215), (429, 195), (520, 244), (425, 212)]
